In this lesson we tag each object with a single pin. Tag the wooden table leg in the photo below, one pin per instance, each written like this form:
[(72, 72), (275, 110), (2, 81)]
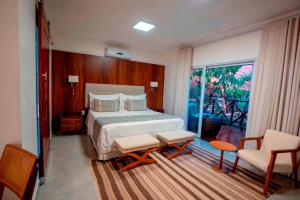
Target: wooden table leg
[(221, 160), (1, 190), (220, 167)]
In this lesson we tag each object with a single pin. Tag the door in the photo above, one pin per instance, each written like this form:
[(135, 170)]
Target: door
[(43, 88), (218, 101), (195, 94)]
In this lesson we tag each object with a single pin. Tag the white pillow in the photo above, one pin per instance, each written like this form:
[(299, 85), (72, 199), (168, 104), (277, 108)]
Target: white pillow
[(124, 97), (103, 97)]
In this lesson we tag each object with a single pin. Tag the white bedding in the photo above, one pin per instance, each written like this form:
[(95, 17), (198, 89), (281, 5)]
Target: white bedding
[(104, 144)]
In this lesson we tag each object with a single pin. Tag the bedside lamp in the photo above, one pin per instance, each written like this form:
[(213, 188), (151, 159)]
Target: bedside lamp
[(73, 80), (154, 86)]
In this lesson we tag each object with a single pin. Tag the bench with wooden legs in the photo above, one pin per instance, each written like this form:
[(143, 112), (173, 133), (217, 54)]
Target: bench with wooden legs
[(130, 146), (173, 138)]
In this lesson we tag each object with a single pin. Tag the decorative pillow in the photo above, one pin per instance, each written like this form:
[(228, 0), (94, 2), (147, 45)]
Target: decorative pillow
[(103, 97), (135, 105), (124, 98), (105, 105)]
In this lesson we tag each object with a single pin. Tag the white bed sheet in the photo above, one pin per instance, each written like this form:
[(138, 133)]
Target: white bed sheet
[(104, 145)]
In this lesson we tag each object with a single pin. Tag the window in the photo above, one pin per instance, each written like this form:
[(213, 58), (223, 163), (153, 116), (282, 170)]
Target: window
[(219, 101)]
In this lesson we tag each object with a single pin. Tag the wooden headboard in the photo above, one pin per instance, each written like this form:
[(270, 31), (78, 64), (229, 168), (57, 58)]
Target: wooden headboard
[(105, 89), (100, 70)]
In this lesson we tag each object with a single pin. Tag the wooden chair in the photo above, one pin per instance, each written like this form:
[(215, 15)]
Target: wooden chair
[(276, 152), (18, 171)]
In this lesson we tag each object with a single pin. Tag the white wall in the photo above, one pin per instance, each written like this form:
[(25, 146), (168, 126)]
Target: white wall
[(90, 46), (9, 74), (242, 47), (27, 75), (17, 76), (10, 120), (27, 50)]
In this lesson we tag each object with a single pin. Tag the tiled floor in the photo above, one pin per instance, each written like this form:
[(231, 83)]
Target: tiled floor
[(68, 175)]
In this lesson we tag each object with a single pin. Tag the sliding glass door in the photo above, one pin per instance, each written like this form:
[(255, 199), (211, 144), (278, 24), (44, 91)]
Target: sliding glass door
[(194, 99), (219, 101)]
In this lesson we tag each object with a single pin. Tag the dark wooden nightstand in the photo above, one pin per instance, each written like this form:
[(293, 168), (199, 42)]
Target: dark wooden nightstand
[(70, 122), (160, 110)]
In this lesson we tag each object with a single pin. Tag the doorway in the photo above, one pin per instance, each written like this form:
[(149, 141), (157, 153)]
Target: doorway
[(219, 101), (42, 40)]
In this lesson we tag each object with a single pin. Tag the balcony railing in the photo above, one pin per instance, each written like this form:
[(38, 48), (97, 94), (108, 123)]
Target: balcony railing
[(232, 112)]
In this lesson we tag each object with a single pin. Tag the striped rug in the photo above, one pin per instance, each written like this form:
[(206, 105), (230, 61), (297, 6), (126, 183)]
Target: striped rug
[(185, 177)]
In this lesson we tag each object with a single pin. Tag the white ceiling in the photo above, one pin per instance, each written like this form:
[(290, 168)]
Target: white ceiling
[(178, 21)]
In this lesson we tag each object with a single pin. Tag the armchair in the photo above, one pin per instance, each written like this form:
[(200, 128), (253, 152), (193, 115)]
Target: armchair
[(276, 152)]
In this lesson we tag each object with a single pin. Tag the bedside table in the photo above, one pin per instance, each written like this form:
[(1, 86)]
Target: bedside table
[(159, 110), (70, 122)]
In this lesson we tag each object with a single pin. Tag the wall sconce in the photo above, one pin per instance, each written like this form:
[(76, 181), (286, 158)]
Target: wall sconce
[(154, 86), (72, 80)]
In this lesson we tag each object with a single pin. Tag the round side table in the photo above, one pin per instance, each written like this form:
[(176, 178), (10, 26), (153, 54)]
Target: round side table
[(222, 146)]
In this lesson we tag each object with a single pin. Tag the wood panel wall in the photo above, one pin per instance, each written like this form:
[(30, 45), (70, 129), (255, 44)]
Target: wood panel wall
[(96, 69)]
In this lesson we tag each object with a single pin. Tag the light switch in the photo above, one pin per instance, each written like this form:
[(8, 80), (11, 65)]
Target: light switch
[(26, 107)]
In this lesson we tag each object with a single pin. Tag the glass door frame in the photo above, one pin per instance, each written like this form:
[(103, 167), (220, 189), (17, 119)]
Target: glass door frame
[(203, 79)]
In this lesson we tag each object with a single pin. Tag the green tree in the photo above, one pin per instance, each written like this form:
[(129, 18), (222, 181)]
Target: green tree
[(223, 82)]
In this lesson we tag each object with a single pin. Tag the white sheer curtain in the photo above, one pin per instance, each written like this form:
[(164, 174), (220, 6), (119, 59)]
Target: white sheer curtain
[(184, 65), (276, 95)]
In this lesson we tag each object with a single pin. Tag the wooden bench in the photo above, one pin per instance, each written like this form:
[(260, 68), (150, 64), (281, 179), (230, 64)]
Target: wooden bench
[(173, 138), (129, 146)]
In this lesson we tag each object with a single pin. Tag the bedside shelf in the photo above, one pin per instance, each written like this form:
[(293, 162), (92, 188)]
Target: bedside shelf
[(70, 122)]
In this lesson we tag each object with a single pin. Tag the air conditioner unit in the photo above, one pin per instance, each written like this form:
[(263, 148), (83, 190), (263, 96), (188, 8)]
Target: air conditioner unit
[(118, 53)]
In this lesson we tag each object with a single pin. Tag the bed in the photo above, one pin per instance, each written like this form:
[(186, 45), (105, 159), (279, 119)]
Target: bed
[(103, 127)]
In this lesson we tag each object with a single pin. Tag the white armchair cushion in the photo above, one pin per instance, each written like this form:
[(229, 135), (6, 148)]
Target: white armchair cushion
[(276, 140), (255, 157), (261, 160)]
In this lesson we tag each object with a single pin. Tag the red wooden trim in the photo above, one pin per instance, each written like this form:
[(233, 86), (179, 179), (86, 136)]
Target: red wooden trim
[(43, 87)]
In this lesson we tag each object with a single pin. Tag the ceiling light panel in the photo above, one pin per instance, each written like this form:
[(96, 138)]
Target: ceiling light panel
[(143, 26)]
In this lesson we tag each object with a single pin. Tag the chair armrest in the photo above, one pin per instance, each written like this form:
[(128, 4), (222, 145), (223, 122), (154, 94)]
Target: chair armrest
[(258, 141), (286, 150), (293, 153)]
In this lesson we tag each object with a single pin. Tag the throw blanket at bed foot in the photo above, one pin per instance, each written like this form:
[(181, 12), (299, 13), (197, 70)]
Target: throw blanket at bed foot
[(185, 177), (135, 118), (102, 121)]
